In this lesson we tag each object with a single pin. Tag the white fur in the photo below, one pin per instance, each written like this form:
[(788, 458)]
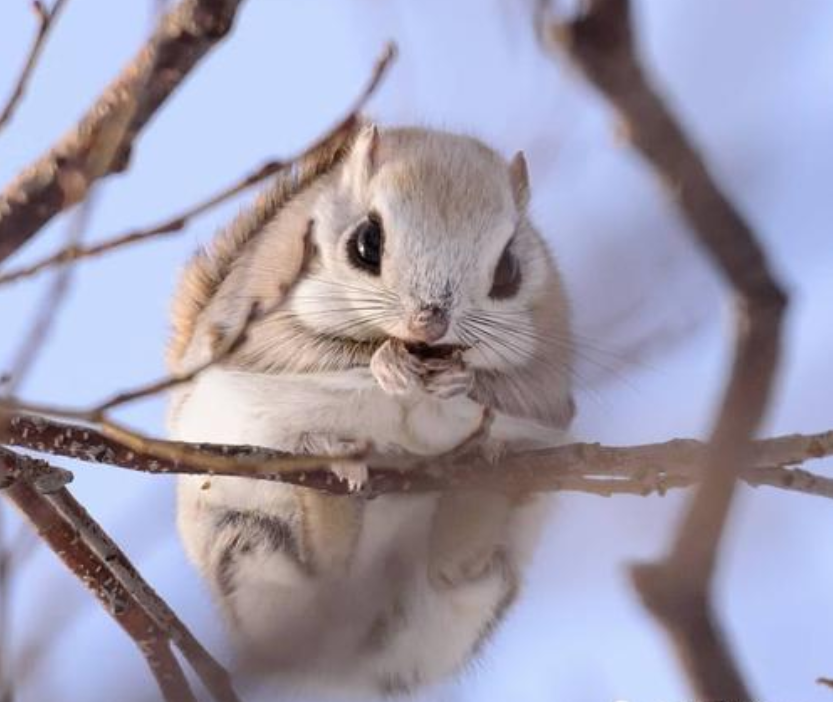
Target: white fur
[(281, 603), (450, 209)]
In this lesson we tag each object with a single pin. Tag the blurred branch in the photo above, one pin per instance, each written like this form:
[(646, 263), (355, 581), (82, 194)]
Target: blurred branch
[(224, 347), (101, 159), (677, 589), (177, 223), (27, 482), (46, 19), (211, 673), (331, 142), (172, 225), (63, 175), (590, 468)]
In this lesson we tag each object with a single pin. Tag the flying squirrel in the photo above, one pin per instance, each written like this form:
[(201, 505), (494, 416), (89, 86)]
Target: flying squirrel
[(402, 291)]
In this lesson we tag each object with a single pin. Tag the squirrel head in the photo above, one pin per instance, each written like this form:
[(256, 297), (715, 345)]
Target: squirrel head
[(423, 236)]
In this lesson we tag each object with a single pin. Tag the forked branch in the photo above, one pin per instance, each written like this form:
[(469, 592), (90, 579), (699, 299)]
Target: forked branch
[(677, 589), (67, 542)]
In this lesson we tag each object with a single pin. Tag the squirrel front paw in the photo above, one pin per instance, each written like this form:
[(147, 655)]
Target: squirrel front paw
[(400, 372), (397, 371), (447, 377), (437, 416), (353, 472)]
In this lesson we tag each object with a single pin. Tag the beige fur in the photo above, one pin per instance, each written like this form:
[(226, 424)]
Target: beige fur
[(210, 267), (393, 594)]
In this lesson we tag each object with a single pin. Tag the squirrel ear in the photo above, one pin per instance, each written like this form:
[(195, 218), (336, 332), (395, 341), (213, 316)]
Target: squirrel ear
[(364, 156), (519, 178)]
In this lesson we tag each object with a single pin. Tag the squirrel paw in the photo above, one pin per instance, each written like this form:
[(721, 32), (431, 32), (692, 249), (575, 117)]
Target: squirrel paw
[(397, 371), (400, 372), (447, 377), (354, 473)]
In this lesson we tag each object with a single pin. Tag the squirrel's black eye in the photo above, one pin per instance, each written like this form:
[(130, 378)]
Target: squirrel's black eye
[(365, 246), (507, 278)]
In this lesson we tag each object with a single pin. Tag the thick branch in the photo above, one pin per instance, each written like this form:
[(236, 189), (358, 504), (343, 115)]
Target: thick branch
[(677, 589), (215, 678), (341, 132), (66, 542), (63, 176)]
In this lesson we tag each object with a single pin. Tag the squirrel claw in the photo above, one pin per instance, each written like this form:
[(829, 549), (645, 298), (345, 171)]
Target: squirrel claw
[(354, 473), (396, 370)]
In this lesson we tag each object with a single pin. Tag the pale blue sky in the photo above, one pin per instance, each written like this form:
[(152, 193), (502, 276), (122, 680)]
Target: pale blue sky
[(752, 81)]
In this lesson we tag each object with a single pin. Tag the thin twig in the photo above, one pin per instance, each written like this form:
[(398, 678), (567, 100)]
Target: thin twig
[(225, 347), (14, 415), (63, 176), (337, 134), (46, 20), (677, 589), (67, 544), (102, 153), (171, 225), (178, 222), (341, 133), (590, 468)]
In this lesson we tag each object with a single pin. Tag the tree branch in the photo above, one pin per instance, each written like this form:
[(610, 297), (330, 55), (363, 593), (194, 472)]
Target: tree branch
[(176, 223), (67, 543), (171, 225), (589, 468), (677, 589), (215, 678), (62, 176)]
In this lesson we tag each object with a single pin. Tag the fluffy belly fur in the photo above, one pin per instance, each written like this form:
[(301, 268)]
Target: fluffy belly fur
[(340, 594)]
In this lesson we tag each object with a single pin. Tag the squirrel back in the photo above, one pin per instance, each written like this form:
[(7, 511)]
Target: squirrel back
[(210, 266)]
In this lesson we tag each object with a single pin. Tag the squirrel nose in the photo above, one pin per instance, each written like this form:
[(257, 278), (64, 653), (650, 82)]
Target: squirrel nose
[(429, 324)]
